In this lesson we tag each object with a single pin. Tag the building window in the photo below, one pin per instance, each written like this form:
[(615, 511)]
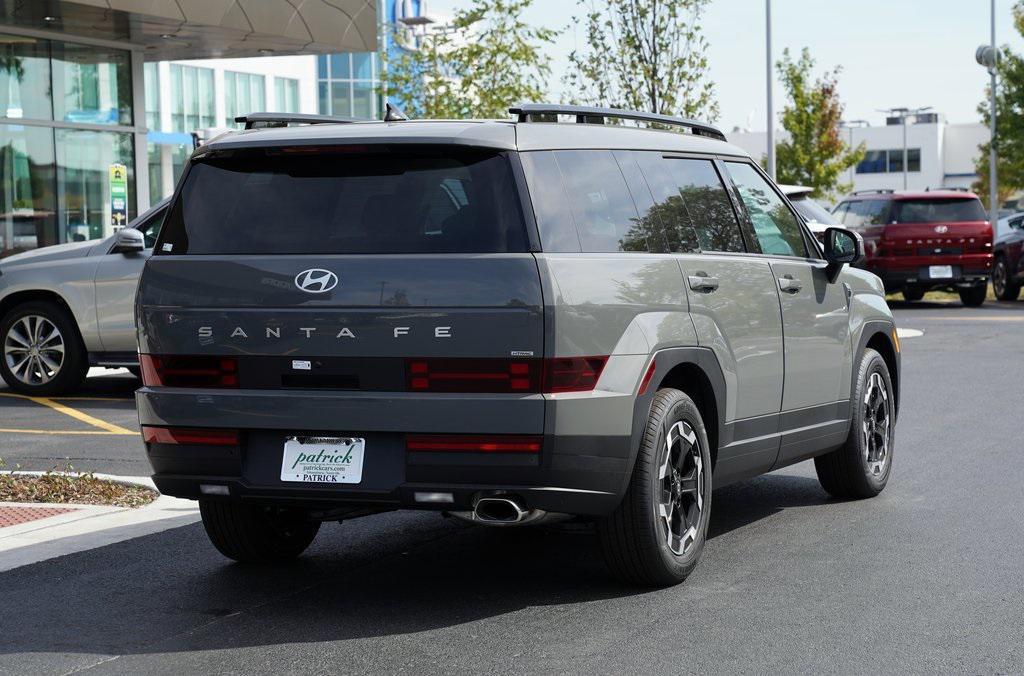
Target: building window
[(28, 196), (84, 159), (347, 85), (889, 161), (192, 103), (286, 95), (25, 78), (91, 84), (244, 93), (152, 77)]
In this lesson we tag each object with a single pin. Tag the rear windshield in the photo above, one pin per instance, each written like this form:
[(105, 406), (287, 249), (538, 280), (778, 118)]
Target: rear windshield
[(938, 211), (388, 200)]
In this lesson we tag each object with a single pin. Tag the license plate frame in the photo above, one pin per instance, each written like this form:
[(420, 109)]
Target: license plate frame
[(940, 272), (320, 459)]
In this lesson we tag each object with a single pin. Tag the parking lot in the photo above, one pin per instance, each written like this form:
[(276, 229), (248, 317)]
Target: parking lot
[(924, 578)]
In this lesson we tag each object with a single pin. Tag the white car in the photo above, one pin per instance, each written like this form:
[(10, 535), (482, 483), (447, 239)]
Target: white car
[(817, 217)]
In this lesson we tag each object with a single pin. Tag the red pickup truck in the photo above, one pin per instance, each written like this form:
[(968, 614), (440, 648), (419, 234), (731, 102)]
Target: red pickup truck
[(922, 241)]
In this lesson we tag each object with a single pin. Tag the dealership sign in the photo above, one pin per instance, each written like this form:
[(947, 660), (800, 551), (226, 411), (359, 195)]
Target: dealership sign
[(118, 195)]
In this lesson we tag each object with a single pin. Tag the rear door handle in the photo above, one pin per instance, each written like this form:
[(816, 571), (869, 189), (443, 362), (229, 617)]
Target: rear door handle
[(790, 285), (701, 282)]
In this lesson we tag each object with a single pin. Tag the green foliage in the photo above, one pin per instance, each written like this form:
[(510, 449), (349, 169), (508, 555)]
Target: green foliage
[(489, 60), (1009, 122), (644, 55), (815, 153)]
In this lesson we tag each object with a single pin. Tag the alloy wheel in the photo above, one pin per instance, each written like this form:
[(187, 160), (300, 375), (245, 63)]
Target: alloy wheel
[(876, 425), (681, 496), (34, 350), (999, 278)]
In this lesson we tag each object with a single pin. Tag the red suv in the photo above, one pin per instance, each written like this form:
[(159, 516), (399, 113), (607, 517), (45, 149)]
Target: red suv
[(921, 241)]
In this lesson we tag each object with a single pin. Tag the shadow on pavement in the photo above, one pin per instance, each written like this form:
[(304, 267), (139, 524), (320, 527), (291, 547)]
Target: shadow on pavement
[(385, 575)]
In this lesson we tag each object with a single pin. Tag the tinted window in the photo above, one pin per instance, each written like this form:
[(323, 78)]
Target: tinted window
[(584, 188), (812, 211), (667, 210), (150, 228), (393, 200), (707, 203), (648, 232), (774, 224), (938, 211)]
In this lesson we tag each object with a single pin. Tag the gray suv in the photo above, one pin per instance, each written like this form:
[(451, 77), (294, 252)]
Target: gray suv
[(515, 322)]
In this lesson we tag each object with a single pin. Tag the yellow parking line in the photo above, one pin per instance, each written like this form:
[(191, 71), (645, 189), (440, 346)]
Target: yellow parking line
[(94, 398), (109, 428), (80, 432)]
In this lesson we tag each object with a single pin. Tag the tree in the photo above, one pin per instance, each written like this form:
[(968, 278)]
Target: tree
[(1009, 123), (645, 55), (814, 154), (488, 60)]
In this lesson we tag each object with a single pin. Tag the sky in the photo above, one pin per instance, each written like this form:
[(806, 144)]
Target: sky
[(893, 53)]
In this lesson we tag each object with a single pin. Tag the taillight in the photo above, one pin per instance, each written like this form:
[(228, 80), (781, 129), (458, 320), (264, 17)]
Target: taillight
[(473, 375), (189, 436), (188, 371), (472, 443), (561, 374), (572, 374)]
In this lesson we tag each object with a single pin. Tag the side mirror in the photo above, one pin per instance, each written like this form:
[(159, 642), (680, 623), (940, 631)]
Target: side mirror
[(842, 247), (129, 241)]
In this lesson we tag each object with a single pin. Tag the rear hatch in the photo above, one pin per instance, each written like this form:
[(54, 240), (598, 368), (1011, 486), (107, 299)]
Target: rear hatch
[(937, 228), (348, 268)]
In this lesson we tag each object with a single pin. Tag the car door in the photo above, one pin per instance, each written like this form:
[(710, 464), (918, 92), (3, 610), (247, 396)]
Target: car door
[(733, 304), (117, 278), (815, 320)]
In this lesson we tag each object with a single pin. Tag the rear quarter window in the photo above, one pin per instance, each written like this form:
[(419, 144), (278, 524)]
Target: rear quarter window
[(387, 200), (939, 210)]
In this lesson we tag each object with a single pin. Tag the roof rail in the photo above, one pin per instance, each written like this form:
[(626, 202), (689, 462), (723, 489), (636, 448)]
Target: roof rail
[(873, 191), (272, 120), (593, 115)]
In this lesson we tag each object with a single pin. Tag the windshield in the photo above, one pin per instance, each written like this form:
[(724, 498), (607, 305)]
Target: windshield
[(812, 211), (386, 200), (938, 211)]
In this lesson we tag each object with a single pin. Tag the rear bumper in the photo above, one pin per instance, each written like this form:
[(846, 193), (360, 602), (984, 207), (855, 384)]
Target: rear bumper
[(580, 474), (897, 273)]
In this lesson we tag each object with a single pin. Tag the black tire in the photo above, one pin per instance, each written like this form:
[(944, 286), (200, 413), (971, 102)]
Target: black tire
[(634, 538), (135, 371), (974, 296), (846, 473), (1004, 287), (255, 534), (73, 364), (913, 293)]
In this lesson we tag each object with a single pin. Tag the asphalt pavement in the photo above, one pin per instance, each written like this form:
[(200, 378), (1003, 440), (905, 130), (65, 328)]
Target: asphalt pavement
[(924, 578)]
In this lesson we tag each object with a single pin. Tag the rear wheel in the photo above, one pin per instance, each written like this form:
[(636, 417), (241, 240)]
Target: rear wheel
[(255, 534), (42, 353), (861, 468), (973, 296), (913, 293), (1005, 288), (656, 535)]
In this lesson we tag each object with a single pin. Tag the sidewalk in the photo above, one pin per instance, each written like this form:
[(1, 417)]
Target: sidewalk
[(39, 531)]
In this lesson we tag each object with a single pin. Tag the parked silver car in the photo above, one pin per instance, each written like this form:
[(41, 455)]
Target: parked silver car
[(67, 307)]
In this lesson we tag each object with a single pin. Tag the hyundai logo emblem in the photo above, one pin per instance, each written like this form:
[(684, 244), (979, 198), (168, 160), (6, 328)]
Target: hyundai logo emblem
[(316, 280), (941, 229)]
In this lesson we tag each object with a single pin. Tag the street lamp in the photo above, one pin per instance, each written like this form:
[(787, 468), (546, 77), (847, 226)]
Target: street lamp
[(988, 56), (903, 114), (768, 77)]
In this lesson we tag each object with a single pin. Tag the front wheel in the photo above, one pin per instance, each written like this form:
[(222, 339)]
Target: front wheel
[(656, 535), (1005, 288), (861, 467), (974, 296), (42, 353), (255, 534)]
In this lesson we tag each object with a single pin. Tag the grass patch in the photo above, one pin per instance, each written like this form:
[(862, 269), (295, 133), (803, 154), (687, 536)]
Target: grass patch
[(940, 296), (69, 487)]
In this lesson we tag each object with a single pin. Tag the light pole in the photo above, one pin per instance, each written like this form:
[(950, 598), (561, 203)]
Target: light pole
[(768, 79), (988, 56), (903, 114)]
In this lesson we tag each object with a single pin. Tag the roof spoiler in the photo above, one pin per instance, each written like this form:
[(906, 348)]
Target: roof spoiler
[(276, 120), (528, 112)]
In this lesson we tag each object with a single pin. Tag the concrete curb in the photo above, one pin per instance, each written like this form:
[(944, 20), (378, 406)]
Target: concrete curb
[(90, 526)]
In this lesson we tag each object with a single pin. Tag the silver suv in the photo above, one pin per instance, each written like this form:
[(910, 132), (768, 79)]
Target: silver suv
[(510, 321)]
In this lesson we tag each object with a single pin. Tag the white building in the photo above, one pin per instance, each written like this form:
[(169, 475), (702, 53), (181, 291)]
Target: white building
[(940, 155)]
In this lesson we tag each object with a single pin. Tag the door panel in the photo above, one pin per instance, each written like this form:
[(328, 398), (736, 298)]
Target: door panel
[(117, 278)]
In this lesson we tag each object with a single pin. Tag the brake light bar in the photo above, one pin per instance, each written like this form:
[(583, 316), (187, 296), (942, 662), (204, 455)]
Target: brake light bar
[(189, 371), (189, 436), (472, 443), (447, 374)]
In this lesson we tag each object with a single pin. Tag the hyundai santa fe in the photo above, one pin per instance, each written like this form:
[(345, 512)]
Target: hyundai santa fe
[(512, 321)]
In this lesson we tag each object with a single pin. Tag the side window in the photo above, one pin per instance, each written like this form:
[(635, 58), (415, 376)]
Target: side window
[(648, 230), (840, 212), (584, 188), (875, 212), (775, 225), (707, 203), (150, 228), (666, 210)]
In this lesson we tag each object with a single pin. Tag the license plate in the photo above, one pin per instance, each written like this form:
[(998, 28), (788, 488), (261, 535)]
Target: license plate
[(940, 271), (323, 460)]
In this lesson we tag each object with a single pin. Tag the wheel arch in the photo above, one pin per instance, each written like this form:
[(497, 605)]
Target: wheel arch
[(13, 300), (879, 337)]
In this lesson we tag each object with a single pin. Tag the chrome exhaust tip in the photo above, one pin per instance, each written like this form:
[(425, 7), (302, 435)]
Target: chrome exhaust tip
[(499, 510)]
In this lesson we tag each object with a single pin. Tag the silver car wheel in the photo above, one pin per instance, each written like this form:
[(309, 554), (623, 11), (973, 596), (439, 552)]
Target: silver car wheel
[(34, 350), (681, 480), (876, 425), (999, 276)]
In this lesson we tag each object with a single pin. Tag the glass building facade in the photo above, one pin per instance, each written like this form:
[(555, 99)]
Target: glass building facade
[(347, 85), (66, 118)]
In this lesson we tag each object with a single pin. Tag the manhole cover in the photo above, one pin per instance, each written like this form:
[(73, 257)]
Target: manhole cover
[(12, 516)]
